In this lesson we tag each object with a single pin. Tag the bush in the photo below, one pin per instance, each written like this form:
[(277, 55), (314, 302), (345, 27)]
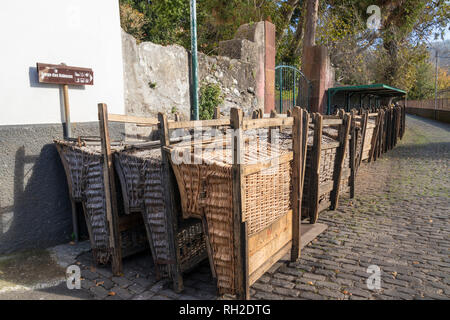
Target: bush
[(132, 21), (210, 98)]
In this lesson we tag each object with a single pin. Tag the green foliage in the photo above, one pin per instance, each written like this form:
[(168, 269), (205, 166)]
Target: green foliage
[(210, 98), (423, 87), (393, 55), (132, 21)]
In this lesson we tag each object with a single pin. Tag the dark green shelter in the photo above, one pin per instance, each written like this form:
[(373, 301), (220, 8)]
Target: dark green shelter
[(371, 91)]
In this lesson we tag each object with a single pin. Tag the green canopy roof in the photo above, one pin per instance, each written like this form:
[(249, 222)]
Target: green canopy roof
[(378, 90), (374, 89)]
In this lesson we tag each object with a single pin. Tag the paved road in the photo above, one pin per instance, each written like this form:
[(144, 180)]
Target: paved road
[(397, 222)]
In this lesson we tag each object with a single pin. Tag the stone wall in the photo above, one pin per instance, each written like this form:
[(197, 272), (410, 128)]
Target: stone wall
[(157, 79)]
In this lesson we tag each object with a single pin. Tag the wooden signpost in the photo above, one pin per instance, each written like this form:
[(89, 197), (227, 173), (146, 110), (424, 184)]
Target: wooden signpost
[(65, 76)]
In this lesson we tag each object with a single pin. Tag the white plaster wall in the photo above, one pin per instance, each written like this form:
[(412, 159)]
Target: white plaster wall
[(83, 33)]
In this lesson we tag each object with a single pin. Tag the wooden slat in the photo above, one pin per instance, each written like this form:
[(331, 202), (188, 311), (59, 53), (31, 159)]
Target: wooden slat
[(330, 122), (353, 142), (169, 201), (266, 123), (198, 123), (297, 140), (112, 215), (263, 245), (240, 254), (363, 136), (305, 128), (340, 157), (132, 119), (249, 169), (374, 138), (315, 169)]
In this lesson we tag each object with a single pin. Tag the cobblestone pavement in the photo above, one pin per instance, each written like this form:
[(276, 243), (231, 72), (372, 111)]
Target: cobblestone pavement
[(397, 221)]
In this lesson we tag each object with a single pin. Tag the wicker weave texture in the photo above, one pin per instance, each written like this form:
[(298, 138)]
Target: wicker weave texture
[(142, 174), (85, 170), (207, 190)]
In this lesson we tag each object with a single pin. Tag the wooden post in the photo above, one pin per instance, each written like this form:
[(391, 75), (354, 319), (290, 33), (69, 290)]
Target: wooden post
[(363, 136), (217, 113), (239, 227), (170, 210), (273, 114), (315, 169), (375, 137), (76, 231), (297, 142), (112, 215), (67, 111), (344, 131), (353, 146), (304, 147)]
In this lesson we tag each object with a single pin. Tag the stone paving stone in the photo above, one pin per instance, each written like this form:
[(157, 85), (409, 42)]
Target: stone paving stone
[(282, 283), (144, 282), (305, 287), (122, 281), (87, 274), (286, 292), (99, 292), (311, 296), (146, 295), (313, 276), (121, 292), (136, 288), (87, 284), (105, 272), (334, 294), (263, 287), (159, 297), (105, 283), (169, 293)]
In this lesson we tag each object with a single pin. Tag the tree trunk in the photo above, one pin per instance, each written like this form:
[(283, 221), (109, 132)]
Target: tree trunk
[(312, 8), (294, 46)]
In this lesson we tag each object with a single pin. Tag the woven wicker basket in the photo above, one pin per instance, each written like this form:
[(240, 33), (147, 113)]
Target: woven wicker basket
[(140, 174), (323, 166), (84, 171), (206, 190)]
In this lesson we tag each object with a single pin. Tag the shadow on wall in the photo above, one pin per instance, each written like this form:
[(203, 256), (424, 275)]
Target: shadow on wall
[(40, 214)]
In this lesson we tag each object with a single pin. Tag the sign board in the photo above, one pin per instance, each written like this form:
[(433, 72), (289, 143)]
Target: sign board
[(62, 74)]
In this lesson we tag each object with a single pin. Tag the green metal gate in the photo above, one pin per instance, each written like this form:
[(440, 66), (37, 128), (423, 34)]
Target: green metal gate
[(292, 88)]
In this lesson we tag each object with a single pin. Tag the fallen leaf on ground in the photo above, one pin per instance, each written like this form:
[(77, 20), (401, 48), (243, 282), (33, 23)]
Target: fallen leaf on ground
[(310, 283), (111, 293), (99, 283)]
